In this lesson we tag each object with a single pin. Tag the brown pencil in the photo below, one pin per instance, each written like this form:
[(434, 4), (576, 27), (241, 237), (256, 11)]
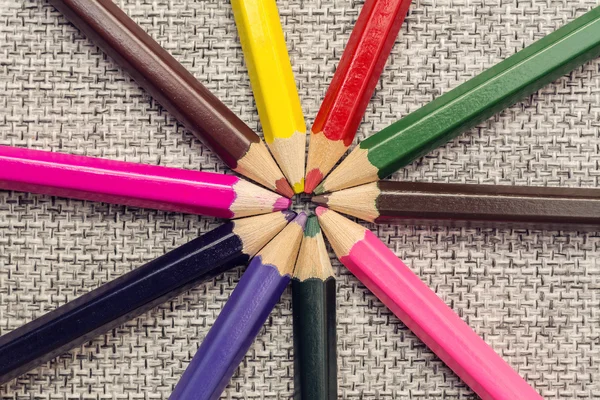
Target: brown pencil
[(469, 205), (176, 89)]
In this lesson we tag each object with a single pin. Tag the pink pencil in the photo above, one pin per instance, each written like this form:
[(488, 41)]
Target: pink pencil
[(422, 311), (139, 185)]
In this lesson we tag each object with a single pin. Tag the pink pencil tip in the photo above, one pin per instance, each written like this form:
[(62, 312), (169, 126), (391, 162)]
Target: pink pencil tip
[(289, 215), (282, 203), (301, 219), (313, 178), (320, 210)]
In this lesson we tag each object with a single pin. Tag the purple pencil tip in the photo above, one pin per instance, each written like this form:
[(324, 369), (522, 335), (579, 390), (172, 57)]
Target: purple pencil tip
[(289, 215), (301, 219)]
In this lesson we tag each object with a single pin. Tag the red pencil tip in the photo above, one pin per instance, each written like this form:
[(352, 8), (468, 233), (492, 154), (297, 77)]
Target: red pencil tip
[(313, 178), (284, 188)]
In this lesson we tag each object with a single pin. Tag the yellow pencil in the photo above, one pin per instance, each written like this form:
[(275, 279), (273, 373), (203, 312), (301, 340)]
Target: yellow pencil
[(273, 84)]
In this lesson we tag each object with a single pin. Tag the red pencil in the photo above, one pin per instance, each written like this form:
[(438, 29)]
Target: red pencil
[(422, 311), (352, 85)]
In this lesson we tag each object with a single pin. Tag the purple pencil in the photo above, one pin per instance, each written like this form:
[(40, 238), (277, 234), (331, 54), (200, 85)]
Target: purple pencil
[(242, 317)]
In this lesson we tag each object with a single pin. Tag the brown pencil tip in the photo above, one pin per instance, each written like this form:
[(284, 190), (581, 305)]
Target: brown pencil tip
[(284, 188), (322, 199)]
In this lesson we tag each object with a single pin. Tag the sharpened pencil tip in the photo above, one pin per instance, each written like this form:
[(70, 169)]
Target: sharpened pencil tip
[(313, 178), (320, 211), (289, 215), (301, 219), (322, 199), (312, 226), (284, 188), (282, 203), (319, 189), (298, 186)]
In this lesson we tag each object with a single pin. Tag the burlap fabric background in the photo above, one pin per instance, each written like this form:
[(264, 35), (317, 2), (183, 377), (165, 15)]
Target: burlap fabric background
[(534, 296)]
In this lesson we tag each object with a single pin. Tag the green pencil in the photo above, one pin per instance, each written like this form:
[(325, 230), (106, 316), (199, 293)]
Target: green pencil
[(313, 297), (469, 104)]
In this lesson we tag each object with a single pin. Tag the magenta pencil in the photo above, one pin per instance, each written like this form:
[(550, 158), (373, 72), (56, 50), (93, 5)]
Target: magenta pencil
[(139, 185), (422, 311)]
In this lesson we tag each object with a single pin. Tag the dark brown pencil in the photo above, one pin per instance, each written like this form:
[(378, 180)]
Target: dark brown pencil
[(175, 89), (469, 205)]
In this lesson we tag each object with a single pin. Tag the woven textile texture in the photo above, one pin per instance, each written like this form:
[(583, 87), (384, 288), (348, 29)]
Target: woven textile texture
[(532, 295)]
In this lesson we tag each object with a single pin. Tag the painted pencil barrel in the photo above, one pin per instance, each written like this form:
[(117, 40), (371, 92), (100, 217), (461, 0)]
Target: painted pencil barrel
[(134, 293), (488, 93), (460, 205), (315, 359), (140, 185), (223, 349)]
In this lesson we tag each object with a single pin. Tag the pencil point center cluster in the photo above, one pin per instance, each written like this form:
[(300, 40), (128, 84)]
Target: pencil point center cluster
[(302, 202)]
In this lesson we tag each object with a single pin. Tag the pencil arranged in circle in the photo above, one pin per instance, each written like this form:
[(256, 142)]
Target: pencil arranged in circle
[(105, 308), (243, 315), (352, 86), (176, 89), (422, 311), (314, 303), (500, 206), (139, 185), (273, 85), (469, 104)]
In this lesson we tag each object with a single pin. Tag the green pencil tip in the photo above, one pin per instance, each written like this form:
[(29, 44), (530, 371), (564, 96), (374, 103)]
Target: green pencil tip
[(319, 189), (312, 226)]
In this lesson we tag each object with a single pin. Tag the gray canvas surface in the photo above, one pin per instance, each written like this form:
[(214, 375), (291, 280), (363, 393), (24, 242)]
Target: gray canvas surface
[(532, 295)]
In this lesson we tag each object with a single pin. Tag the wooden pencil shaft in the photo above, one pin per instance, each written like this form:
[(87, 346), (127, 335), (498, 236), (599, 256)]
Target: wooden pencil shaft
[(269, 67), (485, 95), (162, 76), (315, 360), (134, 293), (139, 185)]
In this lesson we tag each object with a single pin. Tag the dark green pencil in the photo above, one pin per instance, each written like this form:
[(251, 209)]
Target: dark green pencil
[(313, 296)]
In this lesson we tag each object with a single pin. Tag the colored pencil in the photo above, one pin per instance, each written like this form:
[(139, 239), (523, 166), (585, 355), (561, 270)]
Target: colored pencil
[(118, 182), (136, 292), (273, 83), (176, 89), (313, 302), (469, 104), (460, 205), (243, 315), (353, 84), (422, 311)]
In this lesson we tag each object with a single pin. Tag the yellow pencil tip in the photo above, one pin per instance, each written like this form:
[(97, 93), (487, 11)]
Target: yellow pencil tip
[(298, 186)]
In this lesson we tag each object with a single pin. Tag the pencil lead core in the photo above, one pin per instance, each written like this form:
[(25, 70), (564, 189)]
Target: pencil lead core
[(321, 199)]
